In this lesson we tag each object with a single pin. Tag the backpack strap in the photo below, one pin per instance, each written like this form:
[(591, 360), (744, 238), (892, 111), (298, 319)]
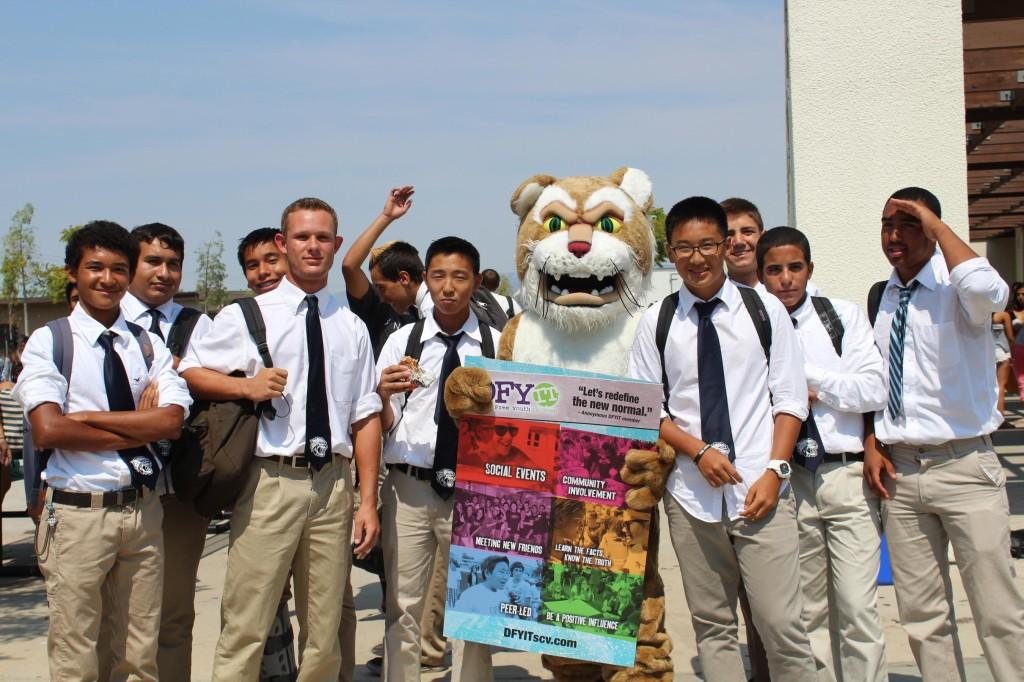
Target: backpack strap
[(759, 314), (256, 326), (181, 331), (63, 346), (414, 346), (145, 344), (486, 342), (511, 310), (665, 315), (875, 299), (830, 320)]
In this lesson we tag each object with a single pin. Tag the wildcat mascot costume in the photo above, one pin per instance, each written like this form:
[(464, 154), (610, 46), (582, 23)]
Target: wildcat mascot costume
[(584, 254)]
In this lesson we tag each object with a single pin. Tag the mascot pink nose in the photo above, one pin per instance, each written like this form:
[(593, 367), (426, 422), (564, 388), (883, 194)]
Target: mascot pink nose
[(579, 249)]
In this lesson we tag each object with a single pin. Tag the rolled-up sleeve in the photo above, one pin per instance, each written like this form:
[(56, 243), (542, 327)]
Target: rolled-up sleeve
[(980, 289), (644, 359), (224, 347), (40, 381), (365, 400), (859, 385), (786, 379)]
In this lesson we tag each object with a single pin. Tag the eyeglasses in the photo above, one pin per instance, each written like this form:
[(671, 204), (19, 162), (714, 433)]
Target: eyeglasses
[(502, 430), (705, 248)]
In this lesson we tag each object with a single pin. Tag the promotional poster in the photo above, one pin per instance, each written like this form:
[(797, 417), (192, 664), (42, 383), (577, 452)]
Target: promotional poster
[(545, 556)]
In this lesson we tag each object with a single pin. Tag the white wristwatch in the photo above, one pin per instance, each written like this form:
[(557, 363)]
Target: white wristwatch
[(780, 467)]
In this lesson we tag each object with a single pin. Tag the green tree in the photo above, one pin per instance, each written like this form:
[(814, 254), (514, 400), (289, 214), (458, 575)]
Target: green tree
[(657, 218), (505, 287), (19, 266), (52, 279), (211, 274)]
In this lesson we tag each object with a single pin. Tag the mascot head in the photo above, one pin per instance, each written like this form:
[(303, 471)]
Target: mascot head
[(585, 248)]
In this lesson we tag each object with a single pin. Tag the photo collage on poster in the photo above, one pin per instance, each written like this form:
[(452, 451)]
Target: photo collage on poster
[(541, 534)]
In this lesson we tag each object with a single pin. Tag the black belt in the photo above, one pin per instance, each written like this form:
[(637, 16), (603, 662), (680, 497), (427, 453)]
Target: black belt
[(844, 457), (419, 473), (111, 498)]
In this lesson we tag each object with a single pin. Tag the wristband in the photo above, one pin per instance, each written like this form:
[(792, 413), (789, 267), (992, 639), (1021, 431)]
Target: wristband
[(700, 453)]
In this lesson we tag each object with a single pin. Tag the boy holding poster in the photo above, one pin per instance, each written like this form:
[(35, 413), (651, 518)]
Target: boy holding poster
[(421, 453), (734, 400)]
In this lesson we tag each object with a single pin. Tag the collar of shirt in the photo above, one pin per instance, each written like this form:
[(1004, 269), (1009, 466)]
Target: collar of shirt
[(92, 329), (471, 328), (729, 295), (931, 273), (295, 297), (135, 310)]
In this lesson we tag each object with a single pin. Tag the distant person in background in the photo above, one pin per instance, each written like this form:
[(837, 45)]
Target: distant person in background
[(12, 434), (745, 229), (1015, 307), (492, 282), (1002, 332)]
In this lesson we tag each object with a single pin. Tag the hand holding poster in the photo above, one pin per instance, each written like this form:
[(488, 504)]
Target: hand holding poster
[(545, 556)]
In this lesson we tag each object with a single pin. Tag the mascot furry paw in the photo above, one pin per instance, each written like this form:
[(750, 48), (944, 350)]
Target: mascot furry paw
[(584, 254)]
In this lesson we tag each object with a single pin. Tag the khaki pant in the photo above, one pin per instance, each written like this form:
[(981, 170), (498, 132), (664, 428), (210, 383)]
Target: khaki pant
[(713, 557), (954, 494), (840, 548), (432, 641), (287, 518), (417, 530), (116, 551), (184, 539)]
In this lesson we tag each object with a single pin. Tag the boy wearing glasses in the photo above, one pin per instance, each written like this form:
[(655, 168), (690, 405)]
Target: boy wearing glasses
[(732, 415)]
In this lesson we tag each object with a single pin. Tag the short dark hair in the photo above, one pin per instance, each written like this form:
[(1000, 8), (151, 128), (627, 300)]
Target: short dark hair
[(260, 235), (491, 279), (454, 245), (515, 565), (782, 236), (696, 208), (170, 237), (69, 286), (920, 195), (738, 206), (101, 233), (488, 565), (397, 258), (307, 204)]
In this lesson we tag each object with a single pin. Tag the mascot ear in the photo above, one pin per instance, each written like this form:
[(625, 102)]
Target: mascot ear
[(636, 184), (526, 194)]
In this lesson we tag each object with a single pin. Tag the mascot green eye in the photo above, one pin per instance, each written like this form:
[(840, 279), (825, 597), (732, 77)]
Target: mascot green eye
[(554, 224), (610, 224)]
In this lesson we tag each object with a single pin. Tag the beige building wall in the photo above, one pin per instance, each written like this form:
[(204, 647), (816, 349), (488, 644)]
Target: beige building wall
[(875, 103)]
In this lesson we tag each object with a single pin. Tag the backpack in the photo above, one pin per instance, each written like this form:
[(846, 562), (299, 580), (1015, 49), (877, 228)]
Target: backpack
[(754, 305), (211, 460), (414, 346), (830, 321), (487, 309), (875, 299), (181, 331), (64, 359)]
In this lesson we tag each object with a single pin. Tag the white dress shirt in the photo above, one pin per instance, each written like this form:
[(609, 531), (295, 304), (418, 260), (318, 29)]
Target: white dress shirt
[(847, 386), (41, 382), (414, 433), (138, 312), (949, 382), (424, 303), (748, 382), (351, 383)]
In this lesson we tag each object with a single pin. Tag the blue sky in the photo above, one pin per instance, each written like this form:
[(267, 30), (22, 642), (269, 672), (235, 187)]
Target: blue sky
[(213, 116)]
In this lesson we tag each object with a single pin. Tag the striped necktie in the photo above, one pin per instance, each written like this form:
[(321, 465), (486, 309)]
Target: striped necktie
[(896, 337)]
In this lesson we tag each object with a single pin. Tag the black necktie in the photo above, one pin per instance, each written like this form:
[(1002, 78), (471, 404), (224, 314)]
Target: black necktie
[(715, 427), (142, 466), (154, 322), (809, 451), (446, 448), (318, 423)]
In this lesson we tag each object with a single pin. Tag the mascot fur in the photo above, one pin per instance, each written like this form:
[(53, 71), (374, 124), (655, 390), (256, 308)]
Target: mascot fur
[(584, 254)]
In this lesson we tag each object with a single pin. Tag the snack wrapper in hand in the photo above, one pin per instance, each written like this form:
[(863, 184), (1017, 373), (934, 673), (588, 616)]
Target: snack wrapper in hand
[(417, 374)]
